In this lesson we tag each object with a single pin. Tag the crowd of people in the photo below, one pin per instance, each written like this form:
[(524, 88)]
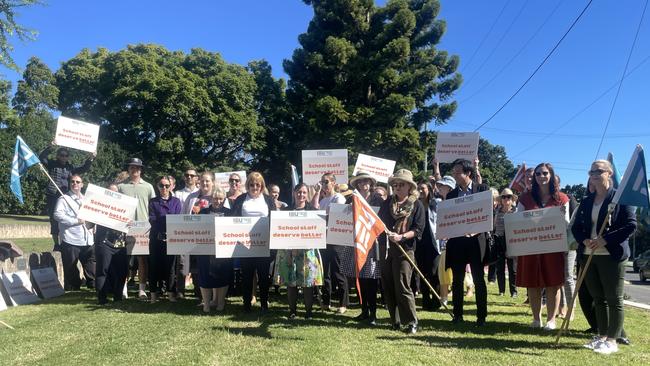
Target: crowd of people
[(455, 266)]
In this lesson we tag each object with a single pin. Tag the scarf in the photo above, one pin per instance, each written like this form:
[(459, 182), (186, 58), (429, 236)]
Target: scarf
[(401, 212)]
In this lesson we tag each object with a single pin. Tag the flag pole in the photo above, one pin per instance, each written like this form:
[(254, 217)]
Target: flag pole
[(581, 277), (421, 275), (40, 165), (7, 325)]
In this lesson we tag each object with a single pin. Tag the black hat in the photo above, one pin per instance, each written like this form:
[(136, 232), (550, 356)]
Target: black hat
[(134, 161)]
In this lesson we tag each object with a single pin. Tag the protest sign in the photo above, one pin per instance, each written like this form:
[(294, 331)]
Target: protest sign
[(46, 282), (378, 168), (536, 232), (76, 134), (470, 214), (298, 230), (3, 306), (315, 163), (221, 180), (139, 244), (107, 208), (456, 145), (241, 237), (340, 224), (19, 288), (190, 234)]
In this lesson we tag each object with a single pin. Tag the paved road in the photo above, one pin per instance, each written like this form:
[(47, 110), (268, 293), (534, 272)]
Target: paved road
[(636, 290)]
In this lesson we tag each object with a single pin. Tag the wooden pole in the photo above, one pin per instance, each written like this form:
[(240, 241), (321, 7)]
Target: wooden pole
[(7, 325)]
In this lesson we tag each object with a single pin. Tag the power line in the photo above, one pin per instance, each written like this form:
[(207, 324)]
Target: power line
[(485, 37), (620, 84), (538, 67)]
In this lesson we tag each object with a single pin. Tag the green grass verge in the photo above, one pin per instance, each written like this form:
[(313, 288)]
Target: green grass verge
[(72, 330), (23, 220), (34, 244)]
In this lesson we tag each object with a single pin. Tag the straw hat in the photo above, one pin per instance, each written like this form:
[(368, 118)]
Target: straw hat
[(403, 175), (508, 192), (360, 176), (344, 189)]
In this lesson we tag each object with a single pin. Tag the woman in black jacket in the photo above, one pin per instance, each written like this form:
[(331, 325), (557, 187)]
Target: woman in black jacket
[(255, 204), (605, 275)]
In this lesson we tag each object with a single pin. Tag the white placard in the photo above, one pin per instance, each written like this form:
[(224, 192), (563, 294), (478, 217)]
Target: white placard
[(536, 232), (47, 282), (470, 214), (190, 234), (298, 230), (242, 237), (3, 305), (315, 163), (456, 145), (76, 134), (221, 180), (378, 168), (19, 288), (107, 208), (140, 232), (340, 224)]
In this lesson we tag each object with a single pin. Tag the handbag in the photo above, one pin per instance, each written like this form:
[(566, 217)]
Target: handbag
[(492, 252)]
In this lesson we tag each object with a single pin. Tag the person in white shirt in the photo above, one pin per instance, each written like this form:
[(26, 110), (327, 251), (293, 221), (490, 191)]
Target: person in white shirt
[(76, 239), (191, 179)]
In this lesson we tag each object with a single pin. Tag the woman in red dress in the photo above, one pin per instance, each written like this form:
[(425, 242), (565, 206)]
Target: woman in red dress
[(543, 271)]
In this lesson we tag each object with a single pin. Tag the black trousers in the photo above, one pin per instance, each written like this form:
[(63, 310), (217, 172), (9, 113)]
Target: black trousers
[(368, 296), (429, 268), (248, 268), (70, 255), (460, 252), (162, 274), (500, 241), (334, 282), (111, 272)]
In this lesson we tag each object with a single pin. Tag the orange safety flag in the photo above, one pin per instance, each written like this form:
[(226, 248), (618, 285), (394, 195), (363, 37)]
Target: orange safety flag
[(518, 184), (367, 227)]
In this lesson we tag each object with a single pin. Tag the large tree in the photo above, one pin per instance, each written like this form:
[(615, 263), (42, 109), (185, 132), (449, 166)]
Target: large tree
[(10, 28), (368, 78), (37, 90)]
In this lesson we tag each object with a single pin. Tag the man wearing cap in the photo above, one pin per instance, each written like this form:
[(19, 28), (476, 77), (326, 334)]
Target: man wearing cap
[(60, 170), (136, 187), (467, 249)]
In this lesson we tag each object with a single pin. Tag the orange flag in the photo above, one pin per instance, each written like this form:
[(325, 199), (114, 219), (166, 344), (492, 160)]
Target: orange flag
[(367, 227)]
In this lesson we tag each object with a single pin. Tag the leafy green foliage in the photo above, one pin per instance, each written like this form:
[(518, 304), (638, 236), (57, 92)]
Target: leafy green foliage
[(10, 28)]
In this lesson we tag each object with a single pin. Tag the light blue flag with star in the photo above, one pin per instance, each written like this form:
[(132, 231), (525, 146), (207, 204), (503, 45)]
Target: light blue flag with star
[(633, 189), (24, 157)]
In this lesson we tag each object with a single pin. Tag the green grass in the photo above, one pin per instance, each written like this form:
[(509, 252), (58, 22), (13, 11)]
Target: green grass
[(34, 244), (23, 220), (72, 330)]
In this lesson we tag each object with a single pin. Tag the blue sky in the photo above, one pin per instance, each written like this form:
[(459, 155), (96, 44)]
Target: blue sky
[(589, 61)]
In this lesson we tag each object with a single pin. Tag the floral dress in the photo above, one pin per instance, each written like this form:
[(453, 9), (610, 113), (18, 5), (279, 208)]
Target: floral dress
[(298, 267)]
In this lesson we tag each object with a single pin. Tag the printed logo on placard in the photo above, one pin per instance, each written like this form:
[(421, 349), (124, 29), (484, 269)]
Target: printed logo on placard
[(241, 220), (297, 214), (533, 213), (464, 199), (323, 153), (113, 194), (193, 218), (457, 134)]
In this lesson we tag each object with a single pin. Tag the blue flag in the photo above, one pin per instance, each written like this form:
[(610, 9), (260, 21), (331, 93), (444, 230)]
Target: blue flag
[(294, 176), (616, 177), (633, 190), (24, 157)]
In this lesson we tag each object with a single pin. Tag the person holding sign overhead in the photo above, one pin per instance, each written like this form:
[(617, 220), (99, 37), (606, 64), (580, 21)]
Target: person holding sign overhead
[(606, 273), (161, 265), (543, 271), (254, 204), (405, 217), (467, 249)]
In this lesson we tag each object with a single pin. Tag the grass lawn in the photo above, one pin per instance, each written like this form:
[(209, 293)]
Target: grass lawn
[(23, 220), (34, 244), (72, 330)]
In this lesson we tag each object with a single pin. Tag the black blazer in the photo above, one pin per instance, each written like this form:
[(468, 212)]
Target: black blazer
[(621, 225), (475, 189)]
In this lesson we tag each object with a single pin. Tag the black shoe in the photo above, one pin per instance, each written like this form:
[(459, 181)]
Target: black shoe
[(397, 326), (457, 320), (411, 329), (362, 316), (102, 301), (480, 322), (308, 315), (590, 330), (372, 321), (291, 316), (623, 340)]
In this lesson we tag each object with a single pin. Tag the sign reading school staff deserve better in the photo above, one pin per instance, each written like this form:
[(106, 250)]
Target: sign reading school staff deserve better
[(19, 288), (46, 282), (378, 168), (340, 224), (536, 232), (456, 145), (107, 208), (76, 134), (139, 245), (298, 230), (190, 234), (470, 214), (241, 237), (315, 163)]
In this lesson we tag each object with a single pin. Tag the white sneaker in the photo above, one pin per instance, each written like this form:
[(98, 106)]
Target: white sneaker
[(606, 347), (550, 325), (536, 324), (142, 295), (593, 343)]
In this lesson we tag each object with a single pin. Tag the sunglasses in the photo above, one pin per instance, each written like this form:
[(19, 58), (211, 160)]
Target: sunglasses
[(76, 182), (398, 185), (190, 175), (596, 172), (324, 182), (506, 196), (234, 180), (539, 174), (164, 186)]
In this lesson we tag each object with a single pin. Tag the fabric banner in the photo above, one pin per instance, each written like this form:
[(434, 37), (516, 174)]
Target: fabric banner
[(298, 230), (470, 214), (456, 145), (46, 282), (536, 232), (378, 168), (190, 234), (19, 288), (241, 237), (76, 134), (340, 224), (221, 180), (315, 163), (107, 208), (139, 245)]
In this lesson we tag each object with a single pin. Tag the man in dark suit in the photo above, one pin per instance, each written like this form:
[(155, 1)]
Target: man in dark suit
[(467, 249)]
